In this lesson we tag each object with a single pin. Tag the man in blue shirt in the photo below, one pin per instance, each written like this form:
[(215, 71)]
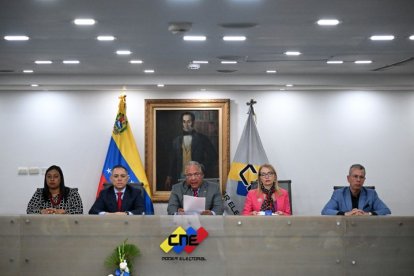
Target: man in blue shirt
[(355, 200)]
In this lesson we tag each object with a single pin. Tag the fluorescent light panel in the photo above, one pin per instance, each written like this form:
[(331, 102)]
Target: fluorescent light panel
[(123, 52), (16, 37), (84, 21), (271, 72), (105, 38), (334, 62), (382, 37), (194, 38), (228, 62), (34, 85), (160, 85), (70, 62), (149, 71), (234, 38), (292, 53), (363, 61), (28, 71), (411, 37), (328, 22), (43, 62), (135, 61), (200, 61)]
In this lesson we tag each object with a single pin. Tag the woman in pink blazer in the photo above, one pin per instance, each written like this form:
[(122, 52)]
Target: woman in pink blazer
[(268, 196)]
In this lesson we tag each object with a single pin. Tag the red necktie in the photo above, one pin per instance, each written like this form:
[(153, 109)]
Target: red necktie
[(119, 203), (195, 192)]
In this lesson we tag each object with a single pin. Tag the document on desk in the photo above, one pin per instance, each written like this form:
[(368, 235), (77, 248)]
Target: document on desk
[(194, 204)]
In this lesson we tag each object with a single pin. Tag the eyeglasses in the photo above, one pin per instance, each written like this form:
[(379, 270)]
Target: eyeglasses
[(120, 175), (269, 174), (197, 175), (358, 177)]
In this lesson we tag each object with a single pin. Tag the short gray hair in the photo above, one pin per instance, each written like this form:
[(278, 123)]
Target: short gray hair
[(358, 167), (197, 164)]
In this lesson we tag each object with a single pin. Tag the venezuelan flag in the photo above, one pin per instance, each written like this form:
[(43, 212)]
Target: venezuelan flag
[(123, 151)]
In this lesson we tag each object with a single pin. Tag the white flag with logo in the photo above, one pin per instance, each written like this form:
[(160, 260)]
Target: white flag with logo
[(250, 155)]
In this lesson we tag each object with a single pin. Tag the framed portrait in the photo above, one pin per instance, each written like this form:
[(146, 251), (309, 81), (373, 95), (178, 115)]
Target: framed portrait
[(177, 131)]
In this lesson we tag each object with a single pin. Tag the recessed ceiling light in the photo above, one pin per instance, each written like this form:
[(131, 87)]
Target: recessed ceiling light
[(327, 22), (34, 85), (382, 37), (135, 61), (194, 38), (123, 52), (105, 38), (149, 71), (334, 62), (160, 85), (363, 61), (84, 21), (411, 37), (28, 71), (234, 38), (70, 62), (289, 85), (200, 61), (228, 62), (16, 37), (271, 71), (292, 53), (43, 62)]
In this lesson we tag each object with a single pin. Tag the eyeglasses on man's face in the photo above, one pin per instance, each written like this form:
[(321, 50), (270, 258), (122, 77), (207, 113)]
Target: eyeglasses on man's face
[(358, 176), (196, 175), (268, 174)]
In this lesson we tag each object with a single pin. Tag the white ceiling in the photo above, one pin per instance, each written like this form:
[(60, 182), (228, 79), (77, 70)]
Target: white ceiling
[(142, 27)]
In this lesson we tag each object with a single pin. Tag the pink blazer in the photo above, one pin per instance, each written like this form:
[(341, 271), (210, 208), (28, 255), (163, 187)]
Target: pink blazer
[(253, 203)]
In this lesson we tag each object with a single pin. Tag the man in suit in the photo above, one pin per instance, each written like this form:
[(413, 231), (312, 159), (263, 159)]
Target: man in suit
[(119, 199), (195, 185), (190, 145), (355, 200)]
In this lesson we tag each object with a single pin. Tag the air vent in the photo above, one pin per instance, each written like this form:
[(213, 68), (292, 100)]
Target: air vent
[(6, 71), (226, 71), (402, 62), (237, 25)]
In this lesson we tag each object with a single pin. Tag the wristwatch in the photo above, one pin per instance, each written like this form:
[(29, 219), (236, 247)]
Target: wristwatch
[(369, 214)]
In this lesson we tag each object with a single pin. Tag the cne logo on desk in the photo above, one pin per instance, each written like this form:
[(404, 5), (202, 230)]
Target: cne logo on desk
[(186, 240)]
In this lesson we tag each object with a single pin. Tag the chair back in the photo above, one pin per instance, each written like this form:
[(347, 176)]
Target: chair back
[(340, 187), (284, 184)]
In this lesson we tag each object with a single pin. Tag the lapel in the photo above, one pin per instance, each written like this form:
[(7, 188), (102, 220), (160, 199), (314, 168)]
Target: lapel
[(362, 199), (347, 197), (203, 189)]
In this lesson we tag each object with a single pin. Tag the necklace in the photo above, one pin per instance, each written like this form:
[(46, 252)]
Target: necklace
[(55, 200)]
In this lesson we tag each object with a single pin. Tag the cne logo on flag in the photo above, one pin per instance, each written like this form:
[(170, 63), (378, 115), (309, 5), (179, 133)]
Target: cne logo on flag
[(184, 240), (120, 123)]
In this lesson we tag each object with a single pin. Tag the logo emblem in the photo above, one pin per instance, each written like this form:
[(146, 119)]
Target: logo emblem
[(120, 123), (184, 240)]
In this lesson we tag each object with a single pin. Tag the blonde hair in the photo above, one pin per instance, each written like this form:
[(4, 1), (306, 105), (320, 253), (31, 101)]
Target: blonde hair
[(259, 182)]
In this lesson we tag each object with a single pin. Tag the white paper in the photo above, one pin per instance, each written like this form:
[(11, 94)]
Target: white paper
[(194, 204)]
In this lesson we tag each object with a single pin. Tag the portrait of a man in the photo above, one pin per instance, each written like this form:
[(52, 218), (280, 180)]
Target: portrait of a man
[(185, 135)]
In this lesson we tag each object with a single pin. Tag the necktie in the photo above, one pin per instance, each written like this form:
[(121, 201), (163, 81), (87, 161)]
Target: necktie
[(119, 202), (195, 192)]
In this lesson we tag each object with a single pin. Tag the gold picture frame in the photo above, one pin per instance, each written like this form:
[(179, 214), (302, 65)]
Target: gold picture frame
[(164, 125)]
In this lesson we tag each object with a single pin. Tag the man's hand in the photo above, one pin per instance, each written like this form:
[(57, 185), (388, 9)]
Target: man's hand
[(355, 212), (207, 212)]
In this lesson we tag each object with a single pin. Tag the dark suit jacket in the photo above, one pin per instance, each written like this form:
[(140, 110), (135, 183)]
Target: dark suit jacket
[(106, 202), (202, 151), (209, 190)]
